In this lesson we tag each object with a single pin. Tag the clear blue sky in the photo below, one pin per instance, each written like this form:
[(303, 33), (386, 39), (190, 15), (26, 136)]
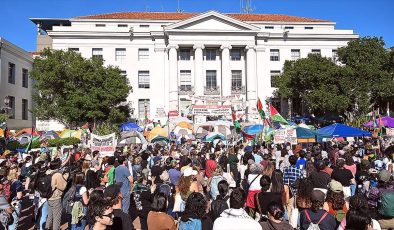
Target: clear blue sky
[(365, 17)]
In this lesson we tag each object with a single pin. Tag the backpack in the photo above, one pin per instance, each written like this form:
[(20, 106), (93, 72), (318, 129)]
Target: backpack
[(386, 207), (44, 186), (191, 224), (7, 190), (218, 206), (214, 185), (339, 215), (313, 226), (6, 219), (68, 199)]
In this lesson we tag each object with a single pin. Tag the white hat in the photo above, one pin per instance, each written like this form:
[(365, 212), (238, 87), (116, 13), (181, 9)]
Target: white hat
[(189, 172)]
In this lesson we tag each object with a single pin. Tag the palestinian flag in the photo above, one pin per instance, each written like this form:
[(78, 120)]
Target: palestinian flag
[(275, 116), (260, 108), (266, 127), (248, 136), (235, 121)]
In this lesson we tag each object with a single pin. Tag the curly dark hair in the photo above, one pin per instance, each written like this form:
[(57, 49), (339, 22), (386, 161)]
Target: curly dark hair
[(304, 191), (97, 209), (196, 204), (184, 184), (337, 199)]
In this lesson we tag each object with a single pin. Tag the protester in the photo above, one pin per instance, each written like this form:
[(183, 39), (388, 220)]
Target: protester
[(195, 216), (275, 218), (121, 220), (157, 217), (100, 214), (125, 179)]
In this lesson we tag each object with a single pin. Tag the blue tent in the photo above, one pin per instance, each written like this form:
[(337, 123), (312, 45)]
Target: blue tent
[(306, 133), (130, 127), (254, 129), (341, 130)]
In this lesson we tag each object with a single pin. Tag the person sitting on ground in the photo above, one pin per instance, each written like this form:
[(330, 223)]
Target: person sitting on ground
[(236, 218), (275, 218), (157, 217)]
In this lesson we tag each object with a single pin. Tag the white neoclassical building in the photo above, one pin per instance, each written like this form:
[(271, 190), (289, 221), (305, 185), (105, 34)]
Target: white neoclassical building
[(15, 85), (189, 62)]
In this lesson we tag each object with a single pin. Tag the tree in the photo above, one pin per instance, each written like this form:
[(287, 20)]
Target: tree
[(368, 61), (74, 90), (317, 81)]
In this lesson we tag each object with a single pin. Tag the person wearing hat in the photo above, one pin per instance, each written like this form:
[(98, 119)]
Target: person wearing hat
[(247, 155), (121, 220), (210, 166), (344, 176), (316, 215), (156, 169), (335, 203)]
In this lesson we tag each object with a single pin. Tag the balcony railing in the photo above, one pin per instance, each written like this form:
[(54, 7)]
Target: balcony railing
[(238, 89), (212, 90), (185, 90)]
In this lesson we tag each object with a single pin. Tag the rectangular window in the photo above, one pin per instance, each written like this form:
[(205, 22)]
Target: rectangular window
[(97, 53), (185, 80), (289, 27), (269, 27), (144, 26), (123, 73), (274, 74), (73, 49), (11, 73), (143, 80), (316, 51), (308, 27), (295, 54), (211, 79), (184, 54), (100, 25), (335, 55), (25, 78), (122, 25), (143, 108), (120, 54), (235, 54), (236, 79), (25, 109), (12, 107), (274, 55), (143, 53), (210, 54)]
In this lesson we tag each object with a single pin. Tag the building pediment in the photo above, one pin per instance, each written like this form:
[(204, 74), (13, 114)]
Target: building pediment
[(211, 21)]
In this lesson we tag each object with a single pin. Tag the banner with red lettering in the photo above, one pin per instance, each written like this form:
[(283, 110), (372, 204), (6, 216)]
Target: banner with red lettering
[(106, 145)]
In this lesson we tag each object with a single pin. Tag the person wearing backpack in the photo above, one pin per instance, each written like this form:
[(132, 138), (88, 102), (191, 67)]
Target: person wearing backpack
[(316, 217), (52, 186), (79, 200), (222, 201), (5, 208), (335, 203), (386, 200), (214, 181)]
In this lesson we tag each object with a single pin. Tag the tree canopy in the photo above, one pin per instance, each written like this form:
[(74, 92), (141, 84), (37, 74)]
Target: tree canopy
[(361, 78), (74, 90)]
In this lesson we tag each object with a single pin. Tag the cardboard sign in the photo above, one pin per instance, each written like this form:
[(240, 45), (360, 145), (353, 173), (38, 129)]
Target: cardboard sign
[(106, 145), (285, 135)]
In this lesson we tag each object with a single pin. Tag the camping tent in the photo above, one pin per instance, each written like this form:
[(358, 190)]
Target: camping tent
[(130, 127), (305, 135), (341, 130), (254, 129), (213, 135), (388, 122), (158, 131)]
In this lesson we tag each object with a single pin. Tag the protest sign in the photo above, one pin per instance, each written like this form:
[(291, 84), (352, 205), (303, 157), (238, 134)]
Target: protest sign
[(104, 144), (285, 135)]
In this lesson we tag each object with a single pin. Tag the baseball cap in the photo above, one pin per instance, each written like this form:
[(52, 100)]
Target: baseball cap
[(164, 176), (317, 195), (189, 172), (384, 176), (156, 159), (335, 186), (112, 191), (248, 149)]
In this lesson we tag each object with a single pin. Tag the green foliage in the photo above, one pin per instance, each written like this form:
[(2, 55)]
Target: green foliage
[(3, 118), (51, 143), (363, 78), (73, 90), (106, 128)]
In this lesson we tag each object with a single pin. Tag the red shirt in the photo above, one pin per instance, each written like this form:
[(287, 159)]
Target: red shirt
[(210, 168)]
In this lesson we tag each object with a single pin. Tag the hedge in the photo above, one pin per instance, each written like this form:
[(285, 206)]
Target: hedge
[(51, 143)]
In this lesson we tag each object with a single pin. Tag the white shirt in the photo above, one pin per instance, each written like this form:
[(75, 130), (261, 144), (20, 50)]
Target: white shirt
[(235, 219)]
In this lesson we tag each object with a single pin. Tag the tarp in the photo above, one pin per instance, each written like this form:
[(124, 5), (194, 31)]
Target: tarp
[(212, 136), (254, 129), (341, 130), (387, 121), (158, 131), (306, 133), (67, 133), (130, 127), (27, 131), (185, 125)]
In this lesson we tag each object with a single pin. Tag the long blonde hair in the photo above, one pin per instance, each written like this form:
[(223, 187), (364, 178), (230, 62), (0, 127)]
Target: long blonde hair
[(13, 174)]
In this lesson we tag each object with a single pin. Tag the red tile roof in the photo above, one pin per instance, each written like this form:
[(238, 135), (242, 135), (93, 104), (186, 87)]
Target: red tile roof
[(182, 16)]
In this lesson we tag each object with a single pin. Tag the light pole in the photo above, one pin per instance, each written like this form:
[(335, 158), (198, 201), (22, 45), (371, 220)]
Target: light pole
[(146, 112), (5, 111)]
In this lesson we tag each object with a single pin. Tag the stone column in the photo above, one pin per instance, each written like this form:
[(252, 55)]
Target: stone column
[(251, 78), (173, 72), (262, 90), (226, 73), (198, 70)]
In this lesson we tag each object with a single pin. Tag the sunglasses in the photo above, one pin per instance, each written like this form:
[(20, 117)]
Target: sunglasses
[(110, 215)]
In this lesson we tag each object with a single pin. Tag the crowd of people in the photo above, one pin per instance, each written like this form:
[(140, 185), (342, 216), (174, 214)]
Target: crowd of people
[(202, 186)]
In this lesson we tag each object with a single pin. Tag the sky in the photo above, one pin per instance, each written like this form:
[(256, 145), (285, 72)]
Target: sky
[(365, 17)]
